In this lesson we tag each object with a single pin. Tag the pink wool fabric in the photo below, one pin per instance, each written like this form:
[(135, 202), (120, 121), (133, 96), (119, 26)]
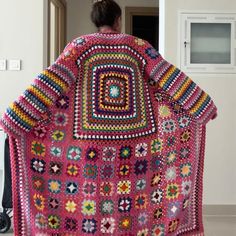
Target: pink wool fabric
[(109, 140)]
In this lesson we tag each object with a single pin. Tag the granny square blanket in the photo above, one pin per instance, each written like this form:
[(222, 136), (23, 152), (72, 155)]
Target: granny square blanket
[(109, 140)]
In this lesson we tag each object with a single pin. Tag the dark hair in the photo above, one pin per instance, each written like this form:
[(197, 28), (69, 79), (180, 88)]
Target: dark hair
[(105, 12)]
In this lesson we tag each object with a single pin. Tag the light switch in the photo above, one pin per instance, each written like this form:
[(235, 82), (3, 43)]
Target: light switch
[(3, 64), (14, 65)]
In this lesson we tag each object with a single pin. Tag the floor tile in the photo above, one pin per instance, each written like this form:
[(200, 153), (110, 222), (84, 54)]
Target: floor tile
[(218, 226)]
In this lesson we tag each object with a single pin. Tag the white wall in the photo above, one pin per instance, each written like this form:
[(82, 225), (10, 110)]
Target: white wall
[(78, 18), (78, 15), (21, 34), (21, 38), (220, 162)]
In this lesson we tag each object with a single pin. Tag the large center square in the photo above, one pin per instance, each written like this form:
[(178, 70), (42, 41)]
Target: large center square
[(112, 99)]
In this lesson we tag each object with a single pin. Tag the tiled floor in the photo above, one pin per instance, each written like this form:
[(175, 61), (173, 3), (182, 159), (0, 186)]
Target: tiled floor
[(220, 226), (214, 226)]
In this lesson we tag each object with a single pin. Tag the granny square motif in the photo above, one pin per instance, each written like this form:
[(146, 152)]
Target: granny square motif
[(111, 96)]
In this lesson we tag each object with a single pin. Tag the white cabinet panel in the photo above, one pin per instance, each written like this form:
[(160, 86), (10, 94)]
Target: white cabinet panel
[(208, 42)]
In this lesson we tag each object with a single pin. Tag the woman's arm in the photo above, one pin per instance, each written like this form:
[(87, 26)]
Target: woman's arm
[(33, 104), (179, 86)]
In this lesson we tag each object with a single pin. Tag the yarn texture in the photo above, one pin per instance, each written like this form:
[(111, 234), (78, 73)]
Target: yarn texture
[(109, 140)]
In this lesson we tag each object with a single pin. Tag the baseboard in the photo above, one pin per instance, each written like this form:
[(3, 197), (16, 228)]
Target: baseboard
[(219, 210)]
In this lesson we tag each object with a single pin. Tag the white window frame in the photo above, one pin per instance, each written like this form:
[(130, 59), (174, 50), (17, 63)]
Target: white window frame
[(186, 18)]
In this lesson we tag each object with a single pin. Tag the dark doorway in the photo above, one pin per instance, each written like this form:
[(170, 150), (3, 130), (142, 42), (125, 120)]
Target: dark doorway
[(146, 27), (143, 22)]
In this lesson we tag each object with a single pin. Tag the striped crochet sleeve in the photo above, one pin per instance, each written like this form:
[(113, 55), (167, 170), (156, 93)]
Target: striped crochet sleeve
[(180, 87), (32, 105)]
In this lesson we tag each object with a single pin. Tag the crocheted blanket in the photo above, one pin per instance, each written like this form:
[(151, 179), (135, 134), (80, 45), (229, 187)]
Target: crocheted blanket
[(109, 140)]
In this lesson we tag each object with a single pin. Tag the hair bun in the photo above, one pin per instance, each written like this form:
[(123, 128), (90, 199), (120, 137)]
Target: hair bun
[(105, 12)]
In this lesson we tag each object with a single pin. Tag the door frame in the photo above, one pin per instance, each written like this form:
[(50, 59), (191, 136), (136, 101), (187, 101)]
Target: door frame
[(60, 34)]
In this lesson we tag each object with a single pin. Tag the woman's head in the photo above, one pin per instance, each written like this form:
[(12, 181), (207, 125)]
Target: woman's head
[(106, 13)]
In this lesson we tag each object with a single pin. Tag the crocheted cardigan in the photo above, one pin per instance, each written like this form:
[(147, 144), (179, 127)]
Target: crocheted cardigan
[(109, 140)]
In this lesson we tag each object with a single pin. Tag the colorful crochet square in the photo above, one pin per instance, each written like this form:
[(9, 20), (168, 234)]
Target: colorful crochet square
[(112, 95)]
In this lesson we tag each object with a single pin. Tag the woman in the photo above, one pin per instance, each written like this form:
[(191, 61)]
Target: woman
[(108, 140)]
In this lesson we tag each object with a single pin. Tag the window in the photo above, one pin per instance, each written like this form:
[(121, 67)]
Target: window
[(208, 43)]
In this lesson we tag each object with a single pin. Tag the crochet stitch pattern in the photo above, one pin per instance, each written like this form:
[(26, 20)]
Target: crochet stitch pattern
[(109, 140)]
